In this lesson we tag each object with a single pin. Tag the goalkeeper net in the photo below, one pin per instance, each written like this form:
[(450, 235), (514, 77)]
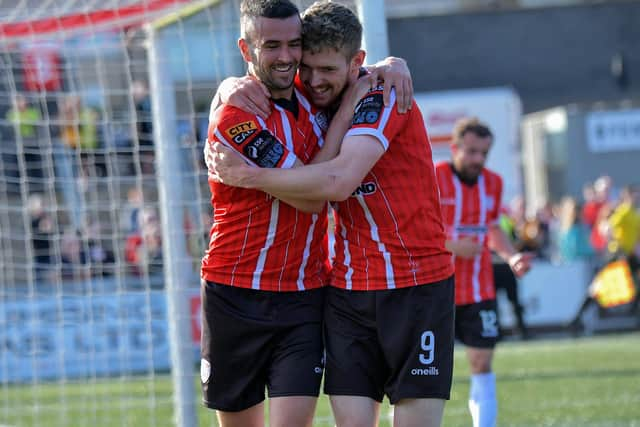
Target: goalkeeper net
[(102, 222)]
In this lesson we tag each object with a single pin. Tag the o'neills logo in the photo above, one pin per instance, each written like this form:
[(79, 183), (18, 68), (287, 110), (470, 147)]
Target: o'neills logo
[(431, 370), (365, 189)]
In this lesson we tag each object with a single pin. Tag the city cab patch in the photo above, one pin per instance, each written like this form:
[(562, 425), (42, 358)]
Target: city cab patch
[(240, 132)]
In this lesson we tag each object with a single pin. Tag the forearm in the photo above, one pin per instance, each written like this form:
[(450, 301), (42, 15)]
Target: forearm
[(384, 63), (321, 182), (334, 180), (304, 205), (451, 246), (500, 243)]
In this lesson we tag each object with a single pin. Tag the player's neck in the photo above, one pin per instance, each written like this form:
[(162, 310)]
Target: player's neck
[(471, 181), (281, 93), (290, 104)]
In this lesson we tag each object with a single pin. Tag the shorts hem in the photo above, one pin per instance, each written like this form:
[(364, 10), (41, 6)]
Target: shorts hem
[(483, 346), (353, 393), (442, 396), (229, 408), (294, 394)]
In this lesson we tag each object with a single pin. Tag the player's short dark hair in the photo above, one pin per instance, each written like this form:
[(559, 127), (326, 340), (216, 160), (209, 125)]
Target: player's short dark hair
[(250, 10), (470, 124), (331, 25)]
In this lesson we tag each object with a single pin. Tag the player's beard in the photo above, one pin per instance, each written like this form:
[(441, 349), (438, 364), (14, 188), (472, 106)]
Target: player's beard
[(272, 78), (471, 172)]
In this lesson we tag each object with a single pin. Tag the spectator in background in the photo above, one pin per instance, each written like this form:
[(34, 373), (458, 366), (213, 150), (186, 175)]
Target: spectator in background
[(130, 212), (591, 206), (101, 259), (144, 126), (79, 125), (41, 236), (74, 263), (143, 248), (603, 189), (624, 225), (79, 137), (574, 234), (597, 208), (25, 120), (599, 236), (83, 255), (525, 230), (547, 231)]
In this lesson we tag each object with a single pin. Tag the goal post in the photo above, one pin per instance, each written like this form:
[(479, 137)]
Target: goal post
[(374, 29), (174, 195)]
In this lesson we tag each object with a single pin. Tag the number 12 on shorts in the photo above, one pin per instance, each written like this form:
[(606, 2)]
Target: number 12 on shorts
[(428, 345)]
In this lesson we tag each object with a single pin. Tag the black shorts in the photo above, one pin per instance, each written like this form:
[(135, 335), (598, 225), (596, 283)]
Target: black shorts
[(397, 342), (477, 324), (255, 339)]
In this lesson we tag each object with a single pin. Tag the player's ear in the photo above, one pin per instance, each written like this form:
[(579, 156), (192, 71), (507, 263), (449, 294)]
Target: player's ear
[(244, 47), (358, 60)]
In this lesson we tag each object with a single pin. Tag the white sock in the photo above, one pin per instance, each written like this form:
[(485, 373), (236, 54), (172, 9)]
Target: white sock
[(483, 404)]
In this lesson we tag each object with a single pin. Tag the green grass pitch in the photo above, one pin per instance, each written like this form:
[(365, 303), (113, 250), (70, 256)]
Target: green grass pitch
[(593, 381)]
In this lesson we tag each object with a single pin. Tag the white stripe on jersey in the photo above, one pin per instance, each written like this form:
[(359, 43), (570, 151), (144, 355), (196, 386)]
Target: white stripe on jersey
[(305, 254), (290, 160), (271, 233), (286, 252), (391, 283), (244, 245), (378, 132), (457, 213), (347, 257), (387, 110), (482, 194), (286, 126), (312, 117), (395, 222)]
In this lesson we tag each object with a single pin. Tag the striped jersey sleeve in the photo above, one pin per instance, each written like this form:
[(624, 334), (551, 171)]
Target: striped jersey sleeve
[(371, 117), (249, 136)]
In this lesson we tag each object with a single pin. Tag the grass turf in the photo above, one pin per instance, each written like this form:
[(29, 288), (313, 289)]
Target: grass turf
[(592, 381)]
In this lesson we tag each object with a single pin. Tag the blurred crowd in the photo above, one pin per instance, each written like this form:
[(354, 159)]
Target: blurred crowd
[(601, 226), (56, 156), (89, 251)]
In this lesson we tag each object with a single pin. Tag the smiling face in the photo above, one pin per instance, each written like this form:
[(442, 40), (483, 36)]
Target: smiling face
[(273, 50), (325, 74)]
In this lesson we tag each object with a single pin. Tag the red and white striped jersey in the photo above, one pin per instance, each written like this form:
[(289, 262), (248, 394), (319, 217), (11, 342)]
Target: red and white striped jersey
[(469, 211), (389, 233), (256, 240)]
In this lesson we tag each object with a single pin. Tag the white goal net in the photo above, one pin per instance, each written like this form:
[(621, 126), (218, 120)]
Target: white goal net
[(103, 224)]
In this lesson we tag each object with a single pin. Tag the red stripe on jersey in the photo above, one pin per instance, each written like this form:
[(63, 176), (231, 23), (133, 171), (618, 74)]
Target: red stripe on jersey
[(389, 233), (257, 241), (469, 211)]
